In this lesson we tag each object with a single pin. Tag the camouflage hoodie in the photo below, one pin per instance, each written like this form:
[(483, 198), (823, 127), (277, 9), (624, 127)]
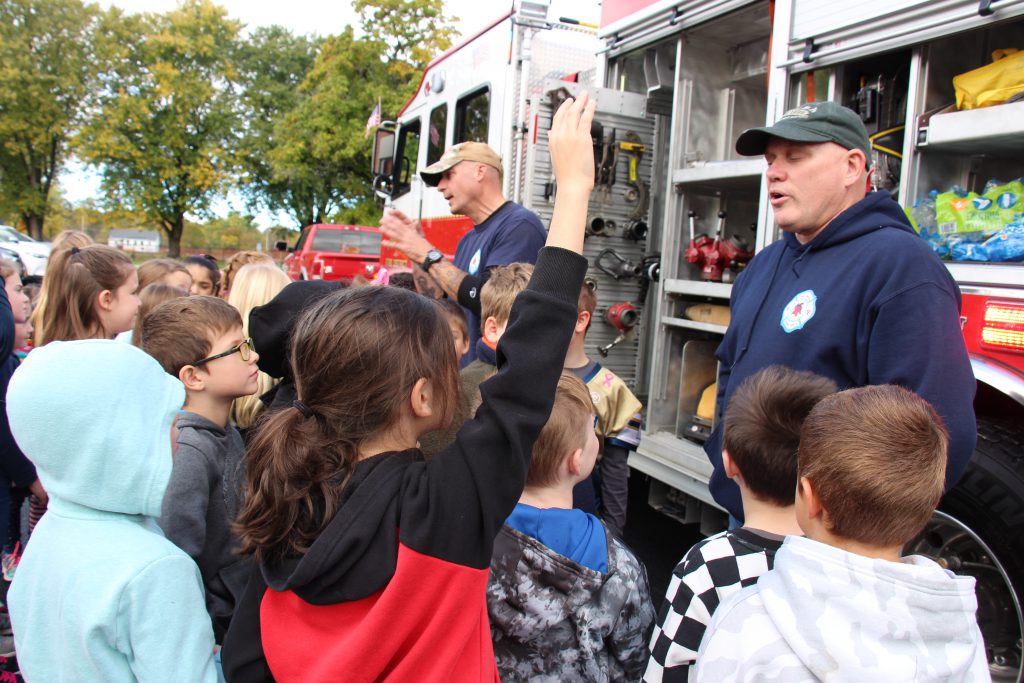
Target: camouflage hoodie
[(555, 620), (826, 614)]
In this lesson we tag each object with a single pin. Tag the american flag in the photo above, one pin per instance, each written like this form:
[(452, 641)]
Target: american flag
[(373, 121)]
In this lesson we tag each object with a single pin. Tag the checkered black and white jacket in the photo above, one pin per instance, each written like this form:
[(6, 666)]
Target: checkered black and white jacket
[(711, 571)]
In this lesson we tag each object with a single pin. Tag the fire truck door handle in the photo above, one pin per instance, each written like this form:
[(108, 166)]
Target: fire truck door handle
[(985, 8)]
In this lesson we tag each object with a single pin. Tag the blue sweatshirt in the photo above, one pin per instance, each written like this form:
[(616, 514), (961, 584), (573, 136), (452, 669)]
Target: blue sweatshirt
[(100, 594), (864, 302)]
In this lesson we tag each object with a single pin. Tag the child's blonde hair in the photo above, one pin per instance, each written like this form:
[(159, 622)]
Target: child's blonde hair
[(75, 278), (876, 457), (65, 240), (155, 270), (151, 296), (255, 284), (501, 289), (572, 416), (235, 264)]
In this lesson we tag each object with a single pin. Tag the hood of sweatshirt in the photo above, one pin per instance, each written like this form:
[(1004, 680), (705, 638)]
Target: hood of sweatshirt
[(271, 324), (95, 417), (849, 614), (875, 211)]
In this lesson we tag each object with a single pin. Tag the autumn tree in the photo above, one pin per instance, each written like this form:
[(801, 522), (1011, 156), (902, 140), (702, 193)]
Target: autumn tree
[(50, 54), (164, 136), (319, 149), (271, 65)]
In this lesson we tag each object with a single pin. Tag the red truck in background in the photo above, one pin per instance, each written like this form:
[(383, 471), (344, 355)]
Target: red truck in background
[(333, 252), (341, 252)]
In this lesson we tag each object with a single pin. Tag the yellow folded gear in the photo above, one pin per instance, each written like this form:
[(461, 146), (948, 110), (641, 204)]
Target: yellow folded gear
[(706, 405), (714, 314), (993, 83)]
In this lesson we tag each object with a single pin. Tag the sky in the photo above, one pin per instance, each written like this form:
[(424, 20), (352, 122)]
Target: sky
[(324, 17)]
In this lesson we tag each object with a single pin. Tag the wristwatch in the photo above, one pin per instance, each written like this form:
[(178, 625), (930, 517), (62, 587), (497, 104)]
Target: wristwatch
[(433, 256)]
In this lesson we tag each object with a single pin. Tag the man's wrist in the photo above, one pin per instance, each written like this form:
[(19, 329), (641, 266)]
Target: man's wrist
[(432, 257)]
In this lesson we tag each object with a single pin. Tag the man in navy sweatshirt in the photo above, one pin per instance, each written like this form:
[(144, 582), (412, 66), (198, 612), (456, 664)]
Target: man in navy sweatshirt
[(469, 176), (849, 292)]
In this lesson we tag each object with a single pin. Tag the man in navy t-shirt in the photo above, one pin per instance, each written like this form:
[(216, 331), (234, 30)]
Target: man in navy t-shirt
[(469, 177)]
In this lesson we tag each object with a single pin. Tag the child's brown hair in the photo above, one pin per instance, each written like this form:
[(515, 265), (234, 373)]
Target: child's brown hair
[(180, 331), (353, 385), (876, 457), (588, 300), (65, 240), (150, 297), (455, 315), (572, 415), (762, 428), (157, 269), (75, 277), (501, 289)]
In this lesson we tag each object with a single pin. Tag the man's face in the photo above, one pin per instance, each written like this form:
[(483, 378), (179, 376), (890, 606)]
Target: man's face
[(459, 186), (805, 184)]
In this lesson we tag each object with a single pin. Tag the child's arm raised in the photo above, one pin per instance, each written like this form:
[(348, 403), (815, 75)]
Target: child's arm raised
[(572, 157), (455, 506)]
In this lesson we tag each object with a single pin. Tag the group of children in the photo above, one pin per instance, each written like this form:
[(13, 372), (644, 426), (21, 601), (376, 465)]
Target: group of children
[(388, 518)]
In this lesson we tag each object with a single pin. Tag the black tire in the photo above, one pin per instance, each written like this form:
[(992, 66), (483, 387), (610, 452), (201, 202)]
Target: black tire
[(983, 536)]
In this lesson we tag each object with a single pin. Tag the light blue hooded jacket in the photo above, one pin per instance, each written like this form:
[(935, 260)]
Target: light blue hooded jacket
[(100, 594)]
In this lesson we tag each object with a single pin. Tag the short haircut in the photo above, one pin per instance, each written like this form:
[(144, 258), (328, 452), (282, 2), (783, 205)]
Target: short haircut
[(455, 315), (587, 301), (566, 430), (501, 289), (180, 331), (151, 296), (876, 457), (762, 428)]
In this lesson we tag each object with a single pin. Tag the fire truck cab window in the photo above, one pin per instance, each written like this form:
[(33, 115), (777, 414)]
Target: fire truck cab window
[(438, 126), (472, 116), (408, 154)]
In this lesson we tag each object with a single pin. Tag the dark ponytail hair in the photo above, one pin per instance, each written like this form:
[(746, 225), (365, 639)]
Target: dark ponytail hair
[(356, 356)]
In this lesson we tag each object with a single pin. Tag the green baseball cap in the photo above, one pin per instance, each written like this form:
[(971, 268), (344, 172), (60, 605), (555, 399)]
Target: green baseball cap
[(812, 122)]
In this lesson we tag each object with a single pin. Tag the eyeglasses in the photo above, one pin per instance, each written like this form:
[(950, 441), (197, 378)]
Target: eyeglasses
[(244, 349)]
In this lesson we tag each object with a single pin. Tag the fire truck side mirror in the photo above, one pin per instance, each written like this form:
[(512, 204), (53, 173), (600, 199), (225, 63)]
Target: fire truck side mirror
[(383, 159)]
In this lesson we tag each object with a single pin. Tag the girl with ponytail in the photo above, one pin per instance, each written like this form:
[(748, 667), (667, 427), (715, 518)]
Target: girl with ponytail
[(91, 293), (371, 562)]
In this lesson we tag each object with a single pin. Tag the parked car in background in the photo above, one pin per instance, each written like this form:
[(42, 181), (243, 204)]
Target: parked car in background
[(32, 254), (333, 252)]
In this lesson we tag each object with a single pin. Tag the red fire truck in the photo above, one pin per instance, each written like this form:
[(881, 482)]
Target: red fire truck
[(676, 81)]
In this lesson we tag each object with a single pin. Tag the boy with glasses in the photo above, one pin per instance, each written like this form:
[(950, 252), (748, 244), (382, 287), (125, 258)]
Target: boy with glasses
[(199, 340)]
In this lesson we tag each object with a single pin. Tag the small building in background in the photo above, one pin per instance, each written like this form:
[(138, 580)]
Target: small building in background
[(135, 240)]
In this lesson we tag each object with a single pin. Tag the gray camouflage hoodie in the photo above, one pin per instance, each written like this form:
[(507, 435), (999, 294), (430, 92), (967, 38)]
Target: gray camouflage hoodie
[(825, 614), (555, 620)]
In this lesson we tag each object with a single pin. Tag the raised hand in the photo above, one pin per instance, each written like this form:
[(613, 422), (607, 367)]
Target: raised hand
[(570, 145), (572, 157)]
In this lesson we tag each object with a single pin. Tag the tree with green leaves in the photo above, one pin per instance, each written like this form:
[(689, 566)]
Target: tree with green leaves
[(319, 149), (164, 135), (272, 64), (50, 52)]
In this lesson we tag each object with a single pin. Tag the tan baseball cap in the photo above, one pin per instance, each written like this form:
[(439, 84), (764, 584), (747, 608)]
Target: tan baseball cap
[(464, 151)]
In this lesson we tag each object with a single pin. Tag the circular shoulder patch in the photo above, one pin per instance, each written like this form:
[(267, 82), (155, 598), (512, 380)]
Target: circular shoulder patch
[(798, 311), (474, 263)]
